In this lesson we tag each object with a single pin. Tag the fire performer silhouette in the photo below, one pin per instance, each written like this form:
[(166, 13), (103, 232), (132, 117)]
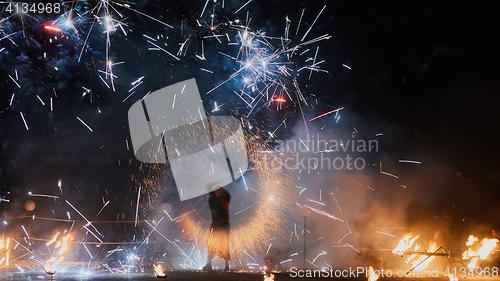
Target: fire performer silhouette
[(218, 240)]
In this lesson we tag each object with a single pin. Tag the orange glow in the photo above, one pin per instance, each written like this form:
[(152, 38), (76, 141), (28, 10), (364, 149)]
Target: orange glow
[(404, 244), (371, 274), (49, 266), (53, 239), (407, 245), (269, 278), (159, 270), (4, 244), (471, 240), (63, 244), (487, 246), (432, 248)]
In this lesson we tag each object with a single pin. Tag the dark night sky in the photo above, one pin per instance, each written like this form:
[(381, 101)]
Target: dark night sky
[(445, 112)]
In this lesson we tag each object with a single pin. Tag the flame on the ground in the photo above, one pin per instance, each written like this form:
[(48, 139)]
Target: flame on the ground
[(404, 244), (452, 277), (269, 278), (432, 248), (487, 245), (371, 274), (4, 244), (61, 247), (471, 240), (159, 270), (407, 245), (50, 266), (412, 256)]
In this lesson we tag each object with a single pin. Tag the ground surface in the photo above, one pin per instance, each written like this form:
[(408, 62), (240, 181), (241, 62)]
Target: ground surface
[(209, 276)]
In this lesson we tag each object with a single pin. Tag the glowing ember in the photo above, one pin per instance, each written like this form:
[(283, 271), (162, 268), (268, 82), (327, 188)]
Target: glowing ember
[(371, 274), (159, 271), (52, 28), (269, 278), (404, 244)]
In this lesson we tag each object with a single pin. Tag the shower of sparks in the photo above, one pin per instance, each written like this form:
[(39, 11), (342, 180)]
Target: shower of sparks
[(268, 248), (84, 124), (24, 120), (394, 176), (242, 6), (43, 195), (323, 213), (312, 24), (17, 84), (106, 204), (329, 112), (27, 235), (385, 173), (59, 185), (137, 208), (265, 66), (88, 222), (267, 70), (385, 233), (410, 161), (204, 7)]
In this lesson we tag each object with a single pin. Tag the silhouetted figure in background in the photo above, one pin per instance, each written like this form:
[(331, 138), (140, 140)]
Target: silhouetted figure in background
[(218, 241)]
